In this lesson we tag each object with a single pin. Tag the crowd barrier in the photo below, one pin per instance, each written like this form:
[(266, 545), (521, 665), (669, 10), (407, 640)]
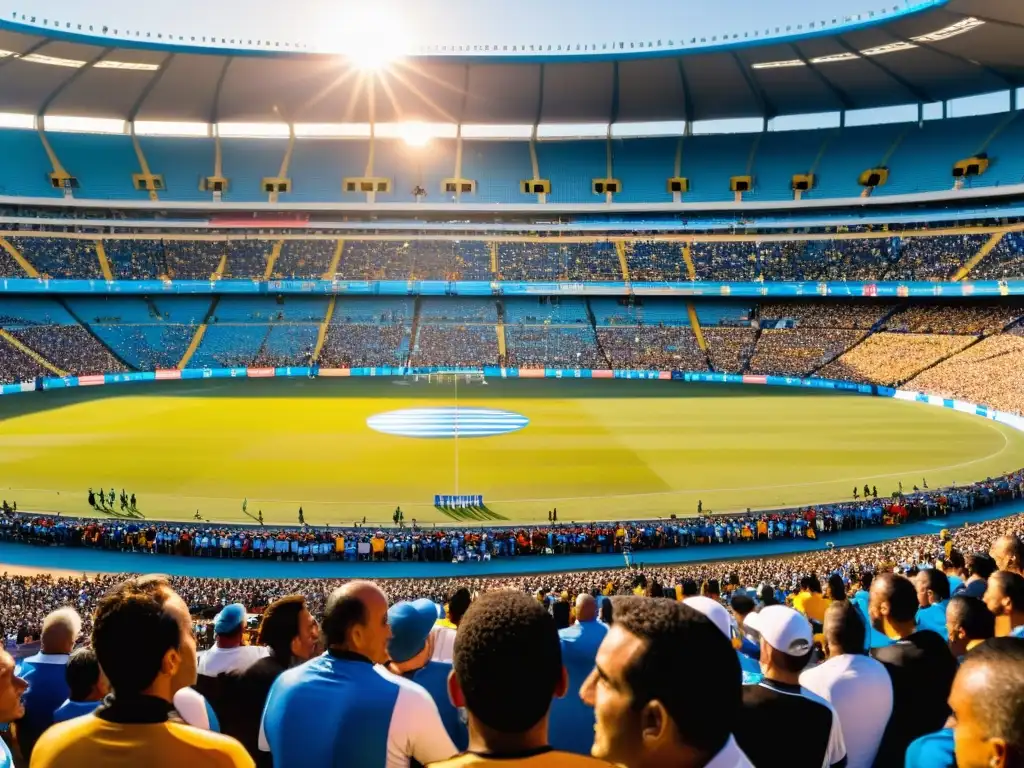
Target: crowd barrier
[(883, 289), (1009, 419)]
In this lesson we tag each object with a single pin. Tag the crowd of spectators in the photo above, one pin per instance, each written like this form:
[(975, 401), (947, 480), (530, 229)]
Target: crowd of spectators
[(868, 650), (9, 267), (552, 346), (136, 259), (70, 347), (472, 346), (247, 259), (651, 261), (193, 259), (800, 351), (934, 258), (356, 345), (825, 314), (966, 319), (304, 259), (1005, 261), (647, 347), (16, 366), (729, 349), (988, 372), (60, 257), (890, 359)]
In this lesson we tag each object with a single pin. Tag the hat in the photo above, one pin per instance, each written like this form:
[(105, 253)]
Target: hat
[(411, 623), (229, 619), (783, 629), (714, 611)]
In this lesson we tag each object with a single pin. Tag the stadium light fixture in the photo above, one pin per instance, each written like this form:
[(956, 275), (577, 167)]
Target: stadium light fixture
[(416, 134)]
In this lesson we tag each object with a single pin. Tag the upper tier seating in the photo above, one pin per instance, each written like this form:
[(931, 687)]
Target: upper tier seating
[(919, 158)]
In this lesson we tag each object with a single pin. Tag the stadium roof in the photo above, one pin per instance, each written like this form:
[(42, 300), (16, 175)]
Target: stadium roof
[(964, 48)]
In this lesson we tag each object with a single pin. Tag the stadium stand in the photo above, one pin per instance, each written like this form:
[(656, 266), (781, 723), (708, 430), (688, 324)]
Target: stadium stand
[(893, 358), (60, 257), (304, 258), (730, 348), (1005, 260), (70, 347), (136, 259)]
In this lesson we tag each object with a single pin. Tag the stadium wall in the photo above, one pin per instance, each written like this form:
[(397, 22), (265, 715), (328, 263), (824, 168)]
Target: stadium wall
[(1011, 420)]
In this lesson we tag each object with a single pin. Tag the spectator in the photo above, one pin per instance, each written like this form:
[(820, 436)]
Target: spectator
[(655, 655), (809, 601), (503, 635), (933, 598), (979, 567), (411, 656), (11, 707), (988, 704), (857, 686), (230, 654), (787, 644), (444, 632), (969, 623), (1005, 597), (719, 616), (386, 719), (142, 635), (920, 666), (45, 675), (750, 644), (87, 685), (572, 721), (1008, 554), (292, 636)]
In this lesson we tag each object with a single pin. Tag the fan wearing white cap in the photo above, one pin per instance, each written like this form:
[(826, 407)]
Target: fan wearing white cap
[(230, 654), (719, 616), (787, 645)]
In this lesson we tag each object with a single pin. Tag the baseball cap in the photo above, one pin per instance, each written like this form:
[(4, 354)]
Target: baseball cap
[(229, 619), (714, 611), (411, 623), (783, 629)]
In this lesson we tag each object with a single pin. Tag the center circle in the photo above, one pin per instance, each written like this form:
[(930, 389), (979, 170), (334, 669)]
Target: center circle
[(448, 421)]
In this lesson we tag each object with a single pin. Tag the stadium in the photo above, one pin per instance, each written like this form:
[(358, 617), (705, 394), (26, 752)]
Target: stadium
[(576, 300)]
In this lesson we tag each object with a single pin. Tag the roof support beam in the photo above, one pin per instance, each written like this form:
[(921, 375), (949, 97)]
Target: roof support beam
[(31, 49), (614, 117), (1008, 80), (465, 96), (841, 96), (768, 110), (919, 94), (74, 76), (149, 87), (215, 103), (540, 99), (688, 114), (987, 19)]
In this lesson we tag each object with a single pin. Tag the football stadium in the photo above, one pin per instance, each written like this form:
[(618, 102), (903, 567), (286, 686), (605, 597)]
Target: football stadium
[(577, 384)]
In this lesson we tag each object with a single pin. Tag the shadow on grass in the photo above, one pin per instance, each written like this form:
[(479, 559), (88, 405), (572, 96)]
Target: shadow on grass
[(470, 514), (389, 387)]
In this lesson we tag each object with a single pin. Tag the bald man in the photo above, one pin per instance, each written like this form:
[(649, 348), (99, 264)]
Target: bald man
[(1008, 552), (571, 727), (344, 706), (988, 702)]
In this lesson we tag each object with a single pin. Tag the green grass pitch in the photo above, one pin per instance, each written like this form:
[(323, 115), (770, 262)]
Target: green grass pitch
[(593, 449)]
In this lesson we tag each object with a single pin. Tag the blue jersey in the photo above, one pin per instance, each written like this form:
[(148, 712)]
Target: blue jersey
[(571, 727), (47, 690), (339, 709), (933, 750), (72, 709)]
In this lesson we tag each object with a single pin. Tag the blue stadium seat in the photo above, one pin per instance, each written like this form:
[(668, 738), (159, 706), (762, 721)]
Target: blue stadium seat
[(183, 162), (103, 164), (25, 165)]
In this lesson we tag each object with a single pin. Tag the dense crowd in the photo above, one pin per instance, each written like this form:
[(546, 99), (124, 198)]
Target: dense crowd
[(647, 347), (800, 351), (69, 347), (471, 346), (890, 359), (16, 366), (552, 346), (988, 372), (358, 345), (967, 320), (927, 257), (461, 544), (906, 654)]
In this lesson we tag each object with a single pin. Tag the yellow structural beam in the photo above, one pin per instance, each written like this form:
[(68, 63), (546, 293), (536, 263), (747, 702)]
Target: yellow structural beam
[(494, 258), (620, 248), (275, 254), (15, 254), (101, 254), (143, 165), (332, 268), (695, 324), (321, 335), (192, 347), (984, 251), (22, 347), (500, 328), (691, 270), (54, 160), (221, 266)]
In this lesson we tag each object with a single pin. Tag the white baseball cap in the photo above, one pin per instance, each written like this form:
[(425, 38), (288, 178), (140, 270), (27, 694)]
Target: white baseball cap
[(783, 629), (714, 611)]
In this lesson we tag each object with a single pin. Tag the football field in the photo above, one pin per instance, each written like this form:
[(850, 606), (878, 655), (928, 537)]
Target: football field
[(348, 449)]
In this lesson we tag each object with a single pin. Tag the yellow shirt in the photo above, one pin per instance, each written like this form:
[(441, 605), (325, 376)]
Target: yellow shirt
[(91, 741), (551, 758), (812, 605)]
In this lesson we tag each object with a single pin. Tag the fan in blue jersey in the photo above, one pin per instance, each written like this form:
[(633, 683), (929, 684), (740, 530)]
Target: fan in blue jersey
[(11, 708), (87, 685), (343, 707)]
